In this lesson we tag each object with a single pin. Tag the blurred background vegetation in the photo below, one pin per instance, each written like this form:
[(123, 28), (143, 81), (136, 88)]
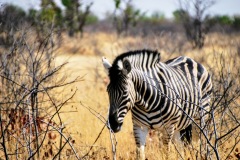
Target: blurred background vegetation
[(76, 18)]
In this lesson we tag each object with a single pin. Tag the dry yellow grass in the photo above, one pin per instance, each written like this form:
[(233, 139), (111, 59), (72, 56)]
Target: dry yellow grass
[(84, 57)]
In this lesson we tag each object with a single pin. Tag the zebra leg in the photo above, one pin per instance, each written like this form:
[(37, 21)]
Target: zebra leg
[(140, 134), (167, 134)]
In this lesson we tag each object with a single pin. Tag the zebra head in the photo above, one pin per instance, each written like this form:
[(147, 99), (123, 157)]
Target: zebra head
[(120, 91)]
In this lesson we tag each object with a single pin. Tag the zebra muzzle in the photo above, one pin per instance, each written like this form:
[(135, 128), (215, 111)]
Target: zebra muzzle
[(115, 125)]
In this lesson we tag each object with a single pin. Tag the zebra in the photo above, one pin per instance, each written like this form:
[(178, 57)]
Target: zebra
[(161, 96)]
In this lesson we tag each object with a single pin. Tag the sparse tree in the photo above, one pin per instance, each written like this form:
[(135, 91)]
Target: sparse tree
[(193, 14), (75, 17), (236, 22), (125, 15), (50, 12), (11, 18)]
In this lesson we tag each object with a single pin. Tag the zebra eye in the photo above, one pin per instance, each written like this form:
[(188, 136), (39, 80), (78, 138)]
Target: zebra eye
[(127, 66)]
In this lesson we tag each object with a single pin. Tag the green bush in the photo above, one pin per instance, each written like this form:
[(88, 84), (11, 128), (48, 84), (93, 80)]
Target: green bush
[(156, 17), (91, 19)]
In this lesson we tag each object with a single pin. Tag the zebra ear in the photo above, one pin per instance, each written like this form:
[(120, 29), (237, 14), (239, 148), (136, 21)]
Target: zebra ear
[(106, 63), (126, 66)]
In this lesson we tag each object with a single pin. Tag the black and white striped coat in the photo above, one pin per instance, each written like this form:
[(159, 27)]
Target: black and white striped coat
[(161, 96)]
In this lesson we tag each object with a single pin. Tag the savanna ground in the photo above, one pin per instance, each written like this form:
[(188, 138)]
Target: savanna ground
[(82, 115)]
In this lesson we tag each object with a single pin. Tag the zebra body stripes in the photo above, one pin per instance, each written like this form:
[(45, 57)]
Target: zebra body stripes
[(161, 96)]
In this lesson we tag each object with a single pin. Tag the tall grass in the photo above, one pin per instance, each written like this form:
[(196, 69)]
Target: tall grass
[(220, 56), (69, 122)]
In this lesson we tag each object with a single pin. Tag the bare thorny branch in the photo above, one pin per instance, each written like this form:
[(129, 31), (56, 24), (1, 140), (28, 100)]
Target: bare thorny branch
[(111, 133), (26, 86)]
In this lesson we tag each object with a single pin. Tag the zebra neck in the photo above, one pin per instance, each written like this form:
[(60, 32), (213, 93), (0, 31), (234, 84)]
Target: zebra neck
[(148, 89)]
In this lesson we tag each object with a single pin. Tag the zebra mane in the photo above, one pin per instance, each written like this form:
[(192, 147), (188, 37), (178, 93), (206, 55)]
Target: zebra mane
[(152, 57), (136, 59)]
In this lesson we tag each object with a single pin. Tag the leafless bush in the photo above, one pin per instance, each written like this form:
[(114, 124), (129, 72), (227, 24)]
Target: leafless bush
[(111, 134), (220, 135), (225, 105), (30, 121)]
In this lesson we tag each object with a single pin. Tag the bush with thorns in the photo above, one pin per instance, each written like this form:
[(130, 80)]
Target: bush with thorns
[(30, 121)]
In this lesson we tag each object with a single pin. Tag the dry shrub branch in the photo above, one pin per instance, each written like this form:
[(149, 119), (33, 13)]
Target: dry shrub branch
[(219, 137), (30, 100), (111, 134)]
